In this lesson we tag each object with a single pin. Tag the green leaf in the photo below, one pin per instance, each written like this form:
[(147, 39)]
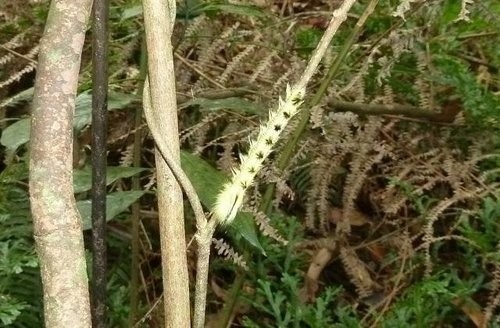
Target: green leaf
[(82, 179), (131, 12), (307, 39), (16, 134), (83, 109), (119, 100), (208, 181), (10, 309), (233, 103), (229, 8), (187, 10), (14, 172), (116, 203)]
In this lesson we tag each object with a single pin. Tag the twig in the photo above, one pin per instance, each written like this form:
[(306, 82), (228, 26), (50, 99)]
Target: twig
[(145, 316), (166, 154), (159, 20), (392, 110), (194, 68), (18, 54)]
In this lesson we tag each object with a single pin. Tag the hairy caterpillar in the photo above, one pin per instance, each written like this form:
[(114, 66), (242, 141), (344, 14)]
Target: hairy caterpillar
[(231, 197)]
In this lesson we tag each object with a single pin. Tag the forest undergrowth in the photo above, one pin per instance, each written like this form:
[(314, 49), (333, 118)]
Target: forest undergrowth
[(378, 208)]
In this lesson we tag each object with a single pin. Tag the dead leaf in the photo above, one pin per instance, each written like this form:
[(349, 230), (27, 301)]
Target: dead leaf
[(471, 309), (318, 263), (356, 218)]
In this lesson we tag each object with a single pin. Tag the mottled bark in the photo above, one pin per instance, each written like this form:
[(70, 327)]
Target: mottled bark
[(159, 18), (57, 224)]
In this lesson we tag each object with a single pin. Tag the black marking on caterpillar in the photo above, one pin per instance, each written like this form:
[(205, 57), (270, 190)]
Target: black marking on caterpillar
[(232, 207), (296, 100)]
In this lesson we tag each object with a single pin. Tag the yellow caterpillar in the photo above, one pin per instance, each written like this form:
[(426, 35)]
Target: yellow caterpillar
[(231, 197)]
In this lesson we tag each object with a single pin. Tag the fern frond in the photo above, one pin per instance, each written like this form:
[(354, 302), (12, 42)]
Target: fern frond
[(18, 75), (432, 217), (318, 169), (6, 58), (234, 64), (282, 191), (226, 159), (421, 85), (263, 67), (25, 70), (197, 131), (494, 297), (18, 98), (402, 8), (361, 163), (229, 253), (195, 27), (208, 53), (263, 222), (291, 72), (357, 272), (127, 156), (464, 11), (14, 42)]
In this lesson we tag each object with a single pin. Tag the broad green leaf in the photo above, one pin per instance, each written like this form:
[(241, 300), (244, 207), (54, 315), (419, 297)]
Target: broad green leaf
[(188, 9), (208, 181), (131, 12), (83, 109), (234, 103), (116, 203), (82, 179), (16, 134), (194, 8), (119, 100)]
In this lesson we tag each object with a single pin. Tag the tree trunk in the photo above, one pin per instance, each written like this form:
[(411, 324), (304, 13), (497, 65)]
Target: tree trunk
[(56, 221)]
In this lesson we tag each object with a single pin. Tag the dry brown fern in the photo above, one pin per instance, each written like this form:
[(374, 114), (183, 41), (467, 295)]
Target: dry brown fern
[(229, 253), (28, 68), (263, 222), (494, 297), (357, 272)]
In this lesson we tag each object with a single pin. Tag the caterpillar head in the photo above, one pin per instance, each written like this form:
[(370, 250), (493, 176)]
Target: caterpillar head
[(228, 203)]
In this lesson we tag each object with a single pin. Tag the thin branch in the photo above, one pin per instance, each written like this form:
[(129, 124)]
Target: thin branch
[(18, 54), (204, 240), (166, 153), (394, 109), (159, 20), (99, 163), (136, 207)]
